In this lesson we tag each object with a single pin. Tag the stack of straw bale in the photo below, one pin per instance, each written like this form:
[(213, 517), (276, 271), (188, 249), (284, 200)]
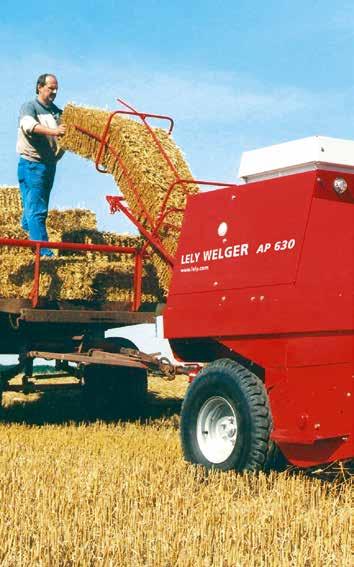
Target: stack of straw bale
[(146, 167), (74, 279), (58, 221), (70, 275)]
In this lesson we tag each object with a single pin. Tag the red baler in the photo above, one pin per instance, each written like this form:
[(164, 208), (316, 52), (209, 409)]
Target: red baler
[(262, 291)]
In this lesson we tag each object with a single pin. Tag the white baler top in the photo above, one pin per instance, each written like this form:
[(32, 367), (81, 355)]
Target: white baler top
[(306, 154)]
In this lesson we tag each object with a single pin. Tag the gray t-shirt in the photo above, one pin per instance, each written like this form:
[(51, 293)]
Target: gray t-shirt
[(38, 147)]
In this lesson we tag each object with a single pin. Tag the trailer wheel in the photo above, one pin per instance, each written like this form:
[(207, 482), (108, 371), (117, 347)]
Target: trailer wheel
[(113, 392), (225, 419)]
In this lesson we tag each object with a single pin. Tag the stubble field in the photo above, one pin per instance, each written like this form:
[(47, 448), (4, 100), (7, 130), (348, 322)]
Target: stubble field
[(74, 493)]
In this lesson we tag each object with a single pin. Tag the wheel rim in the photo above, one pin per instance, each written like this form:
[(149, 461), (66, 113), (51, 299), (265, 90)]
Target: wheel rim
[(217, 429)]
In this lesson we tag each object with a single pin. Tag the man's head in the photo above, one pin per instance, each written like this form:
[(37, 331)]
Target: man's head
[(47, 88)]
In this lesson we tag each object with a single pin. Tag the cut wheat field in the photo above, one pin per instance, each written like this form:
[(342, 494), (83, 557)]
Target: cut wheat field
[(74, 493)]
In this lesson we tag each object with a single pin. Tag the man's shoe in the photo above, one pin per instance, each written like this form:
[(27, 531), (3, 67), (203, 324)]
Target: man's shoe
[(46, 253)]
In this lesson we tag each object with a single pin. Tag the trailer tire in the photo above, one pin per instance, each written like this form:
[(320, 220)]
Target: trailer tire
[(113, 392), (226, 420)]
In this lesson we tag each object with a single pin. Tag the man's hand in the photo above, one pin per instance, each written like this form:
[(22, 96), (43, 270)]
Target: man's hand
[(61, 130), (44, 131)]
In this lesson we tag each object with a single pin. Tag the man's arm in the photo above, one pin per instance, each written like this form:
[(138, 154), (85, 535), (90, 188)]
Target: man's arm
[(39, 129), (30, 124)]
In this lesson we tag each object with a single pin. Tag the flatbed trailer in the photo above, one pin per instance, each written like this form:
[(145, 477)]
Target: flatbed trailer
[(111, 372)]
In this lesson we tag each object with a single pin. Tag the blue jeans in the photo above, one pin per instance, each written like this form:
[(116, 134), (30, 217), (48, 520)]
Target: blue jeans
[(36, 181)]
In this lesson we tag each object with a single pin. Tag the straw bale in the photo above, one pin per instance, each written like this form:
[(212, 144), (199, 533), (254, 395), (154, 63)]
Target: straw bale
[(10, 205), (10, 197), (62, 221), (16, 232), (146, 167), (94, 236), (91, 236), (11, 231), (60, 279), (108, 274)]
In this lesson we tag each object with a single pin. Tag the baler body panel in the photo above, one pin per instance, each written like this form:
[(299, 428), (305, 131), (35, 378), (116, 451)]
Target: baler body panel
[(253, 216), (313, 406), (276, 287), (288, 308)]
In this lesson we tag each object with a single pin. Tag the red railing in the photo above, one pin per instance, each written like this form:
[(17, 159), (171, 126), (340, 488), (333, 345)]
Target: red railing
[(38, 245), (151, 234)]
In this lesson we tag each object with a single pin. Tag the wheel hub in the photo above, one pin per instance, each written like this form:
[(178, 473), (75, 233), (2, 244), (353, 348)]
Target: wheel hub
[(226, 427), (217, 429)]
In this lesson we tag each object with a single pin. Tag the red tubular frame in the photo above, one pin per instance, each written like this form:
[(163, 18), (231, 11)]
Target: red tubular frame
[(103, 139), (121, 163), (116, 204)]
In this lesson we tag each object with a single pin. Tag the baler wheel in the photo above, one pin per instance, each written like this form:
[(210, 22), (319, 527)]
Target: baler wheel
[(111, 392), (226, 420)]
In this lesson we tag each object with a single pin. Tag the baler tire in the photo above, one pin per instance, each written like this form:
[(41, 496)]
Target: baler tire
[(275, 460), (237, 403), (112, 392)]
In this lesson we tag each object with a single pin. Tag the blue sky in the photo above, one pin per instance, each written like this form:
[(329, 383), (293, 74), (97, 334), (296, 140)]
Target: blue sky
[(235, 75)]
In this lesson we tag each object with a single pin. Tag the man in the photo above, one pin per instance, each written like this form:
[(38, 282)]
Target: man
[(39, 128)]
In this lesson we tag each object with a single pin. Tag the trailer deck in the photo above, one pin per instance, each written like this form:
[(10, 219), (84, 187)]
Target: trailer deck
[(86, 315)]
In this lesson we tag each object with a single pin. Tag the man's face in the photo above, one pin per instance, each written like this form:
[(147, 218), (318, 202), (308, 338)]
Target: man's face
[(48, 92)]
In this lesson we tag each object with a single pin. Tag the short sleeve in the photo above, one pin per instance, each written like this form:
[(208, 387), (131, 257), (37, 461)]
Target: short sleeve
[(28, 118)]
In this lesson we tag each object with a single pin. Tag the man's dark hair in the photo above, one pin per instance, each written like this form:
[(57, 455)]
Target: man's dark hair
[(41, 80)]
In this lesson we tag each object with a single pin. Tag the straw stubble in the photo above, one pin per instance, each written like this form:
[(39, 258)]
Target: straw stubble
[(120, 494)]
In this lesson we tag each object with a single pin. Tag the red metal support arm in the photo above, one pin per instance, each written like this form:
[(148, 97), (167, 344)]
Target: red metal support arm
[(117, 205), (124, 170), (153, 135), (144, 115)]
